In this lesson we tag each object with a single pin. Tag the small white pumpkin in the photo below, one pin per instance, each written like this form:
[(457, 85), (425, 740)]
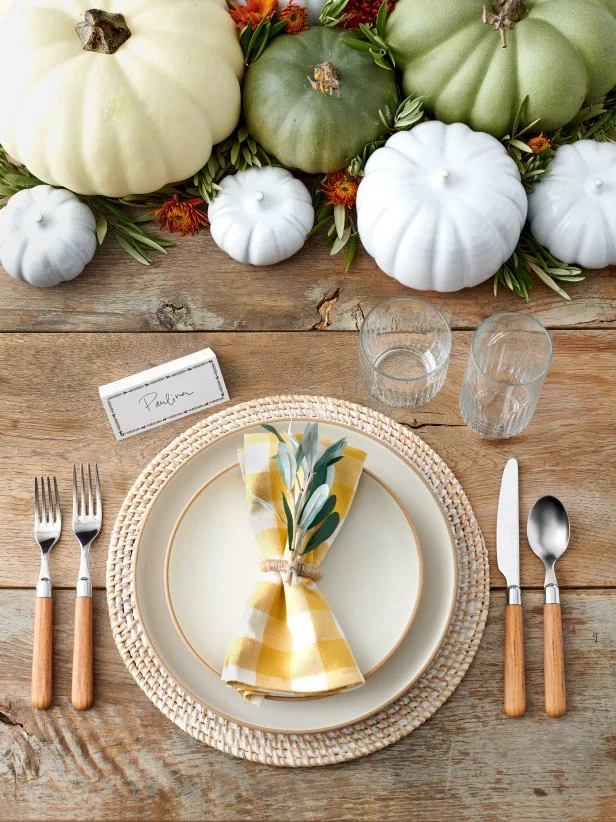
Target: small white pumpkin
[(572, 212), (441, 207), (47, 236), (261, 216)]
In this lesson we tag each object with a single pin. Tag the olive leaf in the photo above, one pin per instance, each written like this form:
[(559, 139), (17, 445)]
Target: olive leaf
[(274, 431), (267, 505), (314, 504), (323, 533), (101, 228), (289, 518), (328, 507), (287, 465)]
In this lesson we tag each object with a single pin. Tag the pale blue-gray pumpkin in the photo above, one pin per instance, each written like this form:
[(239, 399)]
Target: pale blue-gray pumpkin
[(558, 54), (313, 102)]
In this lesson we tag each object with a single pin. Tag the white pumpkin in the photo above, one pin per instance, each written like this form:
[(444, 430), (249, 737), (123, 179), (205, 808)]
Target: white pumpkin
[(441, 207), (47, 236), (261, 216), (119, 123), (572, 212)]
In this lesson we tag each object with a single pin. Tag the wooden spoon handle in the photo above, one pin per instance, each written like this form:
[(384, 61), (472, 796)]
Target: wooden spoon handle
[(83, 674), (515, 687), (42, 677), (554, 661)]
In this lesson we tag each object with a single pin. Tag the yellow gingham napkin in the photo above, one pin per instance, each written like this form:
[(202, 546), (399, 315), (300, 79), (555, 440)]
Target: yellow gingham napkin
[(290, 642)]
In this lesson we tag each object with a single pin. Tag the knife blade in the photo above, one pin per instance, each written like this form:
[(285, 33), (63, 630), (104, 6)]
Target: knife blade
[(508, 559)]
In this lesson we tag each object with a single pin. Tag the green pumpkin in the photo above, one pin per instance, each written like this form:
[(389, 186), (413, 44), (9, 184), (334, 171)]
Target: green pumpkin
[(313, 102), (558, 53)]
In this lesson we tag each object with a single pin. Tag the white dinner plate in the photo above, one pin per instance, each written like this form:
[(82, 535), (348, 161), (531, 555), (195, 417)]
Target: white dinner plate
[(417, 649), (212, 565)]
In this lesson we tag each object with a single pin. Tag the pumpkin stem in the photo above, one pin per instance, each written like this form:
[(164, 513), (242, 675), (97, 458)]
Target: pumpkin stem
[(102, 31), (504, 15), (326, 79)]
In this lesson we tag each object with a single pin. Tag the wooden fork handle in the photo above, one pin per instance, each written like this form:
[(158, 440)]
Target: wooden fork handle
[(554, 661), (514, 685), (42, 677), (83, 673)]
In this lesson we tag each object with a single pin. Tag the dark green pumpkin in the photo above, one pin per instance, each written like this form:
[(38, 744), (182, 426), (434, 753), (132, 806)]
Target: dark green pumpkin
[(302, 126)]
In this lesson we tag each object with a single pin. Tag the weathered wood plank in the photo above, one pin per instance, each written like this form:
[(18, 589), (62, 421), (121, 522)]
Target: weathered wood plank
[(51, 418), (123, 759), (197, 287)]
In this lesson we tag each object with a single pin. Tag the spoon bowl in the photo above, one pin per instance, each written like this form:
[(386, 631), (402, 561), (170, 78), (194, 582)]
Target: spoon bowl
[(548, 533)]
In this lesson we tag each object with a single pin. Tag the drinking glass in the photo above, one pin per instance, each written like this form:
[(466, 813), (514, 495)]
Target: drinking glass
[(510, 355), (404, 351)]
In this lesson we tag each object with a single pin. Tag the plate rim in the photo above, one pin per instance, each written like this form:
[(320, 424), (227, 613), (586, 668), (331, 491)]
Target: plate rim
[(211, 668), (264, 728)]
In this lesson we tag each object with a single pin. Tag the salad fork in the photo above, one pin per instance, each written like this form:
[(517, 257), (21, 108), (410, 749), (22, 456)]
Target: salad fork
[(87, 521), (47, 529)]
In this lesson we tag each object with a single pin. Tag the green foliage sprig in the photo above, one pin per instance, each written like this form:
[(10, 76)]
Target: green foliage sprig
[(307, 501), (255, 39), (333, 13), (372, 39)]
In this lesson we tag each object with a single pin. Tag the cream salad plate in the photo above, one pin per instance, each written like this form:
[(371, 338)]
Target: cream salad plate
[(195, 499)]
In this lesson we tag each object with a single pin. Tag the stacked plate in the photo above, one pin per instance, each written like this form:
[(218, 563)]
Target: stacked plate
[(407, 579)]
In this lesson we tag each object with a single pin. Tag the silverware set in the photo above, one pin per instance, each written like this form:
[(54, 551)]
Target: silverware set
[(548, 537), (87, 521)]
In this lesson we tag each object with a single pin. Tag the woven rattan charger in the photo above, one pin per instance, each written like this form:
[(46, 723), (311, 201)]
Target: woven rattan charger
[(411, 709)]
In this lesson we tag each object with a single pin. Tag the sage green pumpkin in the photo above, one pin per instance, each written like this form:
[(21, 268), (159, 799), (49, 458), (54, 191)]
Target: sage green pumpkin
[(316, 129), (559, 53)]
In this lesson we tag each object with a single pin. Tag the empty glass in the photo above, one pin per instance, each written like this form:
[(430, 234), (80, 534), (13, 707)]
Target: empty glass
[(510, 355), (404, 351)]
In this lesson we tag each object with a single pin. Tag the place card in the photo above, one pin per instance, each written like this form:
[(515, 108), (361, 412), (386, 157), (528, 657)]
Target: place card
[(150, 398)]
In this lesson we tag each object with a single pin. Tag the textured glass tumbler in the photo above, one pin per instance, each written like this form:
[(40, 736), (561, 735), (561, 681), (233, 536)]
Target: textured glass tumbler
[(510, 355), (404, 351)]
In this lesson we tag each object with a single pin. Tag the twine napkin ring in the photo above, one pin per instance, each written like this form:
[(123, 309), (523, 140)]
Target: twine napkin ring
[(292, 570)]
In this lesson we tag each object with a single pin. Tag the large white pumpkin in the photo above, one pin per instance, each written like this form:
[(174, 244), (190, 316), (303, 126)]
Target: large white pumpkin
[(117, 123), (441, 207), (572, 212)]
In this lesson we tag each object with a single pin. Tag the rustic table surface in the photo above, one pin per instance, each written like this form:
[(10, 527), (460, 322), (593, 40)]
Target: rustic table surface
[(293, 328)]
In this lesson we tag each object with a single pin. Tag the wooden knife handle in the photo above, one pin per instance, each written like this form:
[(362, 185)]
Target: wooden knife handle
[(554, 661), (515, 687), (42, 676), (83, 673)]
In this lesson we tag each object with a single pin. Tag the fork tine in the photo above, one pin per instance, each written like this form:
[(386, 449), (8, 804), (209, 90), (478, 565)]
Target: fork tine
[(90, 505), (82, 500), (50, 513), (99, 503), (37, 504), (75, 506), (43, 503), (58, 513)]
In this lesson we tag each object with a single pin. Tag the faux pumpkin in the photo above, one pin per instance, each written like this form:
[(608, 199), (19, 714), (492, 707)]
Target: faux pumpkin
[(47, 236), (572, 212), (121, 100), (261, 216), (440, 207), (558, 54), (313, 102)]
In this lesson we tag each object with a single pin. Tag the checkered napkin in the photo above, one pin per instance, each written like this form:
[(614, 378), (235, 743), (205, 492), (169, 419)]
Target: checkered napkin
[(289, 643)]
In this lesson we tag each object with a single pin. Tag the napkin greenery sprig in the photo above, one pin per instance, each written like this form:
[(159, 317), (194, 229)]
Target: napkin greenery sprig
[(308, 505)]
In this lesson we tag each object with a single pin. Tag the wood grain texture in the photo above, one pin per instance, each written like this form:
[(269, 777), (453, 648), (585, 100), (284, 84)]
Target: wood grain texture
[(554, 661), (82, 691), (42, 654), (53, 417), (514, 678), (124, 759), (197, 287)]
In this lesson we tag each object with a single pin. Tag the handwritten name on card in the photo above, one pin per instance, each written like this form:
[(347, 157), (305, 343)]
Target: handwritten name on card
[(164, 393)]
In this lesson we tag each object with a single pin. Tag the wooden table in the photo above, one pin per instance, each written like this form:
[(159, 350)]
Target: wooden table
[(293, 329)]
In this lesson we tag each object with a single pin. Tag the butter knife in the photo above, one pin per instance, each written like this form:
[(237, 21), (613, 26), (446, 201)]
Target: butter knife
[(508, 558)]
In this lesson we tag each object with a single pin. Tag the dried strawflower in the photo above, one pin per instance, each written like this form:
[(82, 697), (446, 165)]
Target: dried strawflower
[(183, 216), (363, 11), (252, 11), (340, 188), (296, 18), (539, 143)]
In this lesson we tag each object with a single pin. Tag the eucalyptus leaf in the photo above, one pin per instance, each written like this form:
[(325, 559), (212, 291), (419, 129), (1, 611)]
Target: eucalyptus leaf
[(323, 532)]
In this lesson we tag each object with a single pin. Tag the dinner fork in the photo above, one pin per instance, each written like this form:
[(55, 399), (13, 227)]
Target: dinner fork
[(47, 529), (87, 520)]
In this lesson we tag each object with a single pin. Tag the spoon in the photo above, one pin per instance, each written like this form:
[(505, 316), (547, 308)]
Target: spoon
[(548, 536)]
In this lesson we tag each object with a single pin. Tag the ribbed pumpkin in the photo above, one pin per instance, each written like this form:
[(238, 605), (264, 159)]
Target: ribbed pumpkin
[(313, 102), (119, 99), (558, 53)]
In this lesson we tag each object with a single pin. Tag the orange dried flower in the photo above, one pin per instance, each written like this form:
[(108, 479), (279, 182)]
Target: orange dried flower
[(252, 11), (296, 17), (182, 216), (340, 188), (363, 11), (539, 143)]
